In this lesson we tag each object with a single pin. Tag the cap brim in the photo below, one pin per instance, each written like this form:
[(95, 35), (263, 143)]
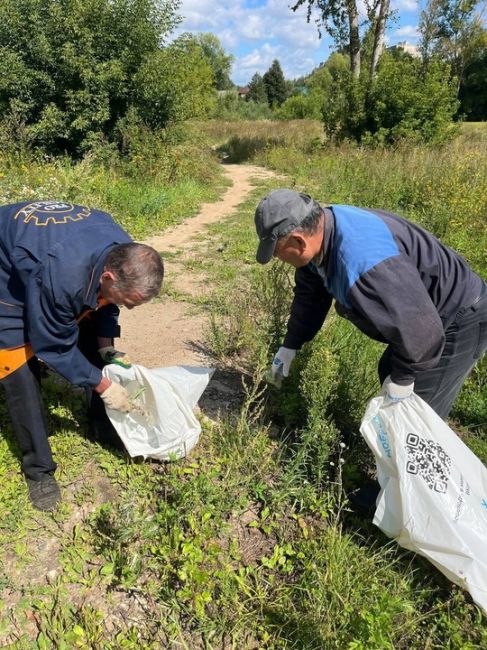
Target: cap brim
[(265, 250)]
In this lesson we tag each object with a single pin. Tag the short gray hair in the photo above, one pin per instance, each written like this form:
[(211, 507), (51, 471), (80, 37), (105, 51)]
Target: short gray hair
[(311, 223), (137, 268)]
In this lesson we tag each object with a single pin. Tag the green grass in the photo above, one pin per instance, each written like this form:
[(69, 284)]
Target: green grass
[(143, 196), (249, 543)]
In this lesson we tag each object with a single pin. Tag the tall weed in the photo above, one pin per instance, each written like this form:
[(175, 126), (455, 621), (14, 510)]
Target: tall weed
[(161, 179)]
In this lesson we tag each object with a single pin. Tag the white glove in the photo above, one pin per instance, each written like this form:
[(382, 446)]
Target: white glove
[(110, 355), (116, 397), (395, 392), (281, 364)]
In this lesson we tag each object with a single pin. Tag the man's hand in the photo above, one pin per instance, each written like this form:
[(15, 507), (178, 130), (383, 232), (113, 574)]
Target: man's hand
[(396, 392), (110, 355), (281, 364), (116, 398)]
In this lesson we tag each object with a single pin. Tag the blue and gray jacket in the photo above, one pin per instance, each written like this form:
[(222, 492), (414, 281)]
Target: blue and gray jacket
[(392, 279), (51, 258)]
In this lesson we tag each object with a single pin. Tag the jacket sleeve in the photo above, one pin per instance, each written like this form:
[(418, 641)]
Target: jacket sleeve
[(52, 330), (394, 299), (309, 308), (106, 319)]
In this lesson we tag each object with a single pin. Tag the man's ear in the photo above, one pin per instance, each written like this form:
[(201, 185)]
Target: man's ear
[(107, 277), (299, 241)]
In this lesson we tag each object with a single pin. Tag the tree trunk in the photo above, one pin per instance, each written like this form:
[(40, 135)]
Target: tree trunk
[(353, 21), (379, 35)]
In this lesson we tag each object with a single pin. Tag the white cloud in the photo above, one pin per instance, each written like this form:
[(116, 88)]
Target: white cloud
[(228, 39), (405, 5), (210, 15), (270, 29), (259, 60), (258, 31), (294, 63), (253, 28), (407, 31)]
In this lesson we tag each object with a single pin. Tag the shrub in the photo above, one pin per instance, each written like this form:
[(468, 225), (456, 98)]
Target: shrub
[(406, 100), (67, 69), (409, 100), (175, 84), (230, 107), (299, 107)]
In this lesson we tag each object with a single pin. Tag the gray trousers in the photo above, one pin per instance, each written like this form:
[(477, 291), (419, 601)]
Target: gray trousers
[(466, 342)]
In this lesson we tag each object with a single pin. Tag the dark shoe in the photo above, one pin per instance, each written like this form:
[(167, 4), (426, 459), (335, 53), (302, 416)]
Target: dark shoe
[(364, 499), (45, 494)]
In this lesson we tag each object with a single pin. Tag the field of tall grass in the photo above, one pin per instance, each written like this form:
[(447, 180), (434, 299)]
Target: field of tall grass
[(443, 189), (157, 182), (251, 542)]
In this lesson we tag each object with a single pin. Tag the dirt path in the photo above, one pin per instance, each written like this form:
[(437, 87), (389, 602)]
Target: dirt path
[(170, 332), (159, 334)]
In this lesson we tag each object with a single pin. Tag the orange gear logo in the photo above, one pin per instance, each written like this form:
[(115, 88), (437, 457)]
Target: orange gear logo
[(43, 213)]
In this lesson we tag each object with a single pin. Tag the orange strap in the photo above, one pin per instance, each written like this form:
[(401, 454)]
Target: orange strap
[(101, 302), (13, 358)]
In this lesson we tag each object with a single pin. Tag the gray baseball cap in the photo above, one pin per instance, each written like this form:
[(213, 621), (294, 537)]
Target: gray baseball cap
[(278, 214)]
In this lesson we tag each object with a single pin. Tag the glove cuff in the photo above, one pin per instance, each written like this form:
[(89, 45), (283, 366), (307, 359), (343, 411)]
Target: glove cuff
[(397, 391), (107, 353), (286, 354)]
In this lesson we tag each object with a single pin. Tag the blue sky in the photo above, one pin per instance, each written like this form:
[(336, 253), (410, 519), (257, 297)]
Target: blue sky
[(258, 31)]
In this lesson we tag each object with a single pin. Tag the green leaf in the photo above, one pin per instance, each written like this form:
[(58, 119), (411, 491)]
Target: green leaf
[(107, 569)]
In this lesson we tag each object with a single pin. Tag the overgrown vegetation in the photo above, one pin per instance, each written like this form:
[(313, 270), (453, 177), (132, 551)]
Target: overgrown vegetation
[(442, 188), (72, 73), (250, 542), (158, 179)]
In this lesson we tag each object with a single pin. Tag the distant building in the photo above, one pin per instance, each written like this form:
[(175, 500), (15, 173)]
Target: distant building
[(226, 93), (409, 48), (242, 91)]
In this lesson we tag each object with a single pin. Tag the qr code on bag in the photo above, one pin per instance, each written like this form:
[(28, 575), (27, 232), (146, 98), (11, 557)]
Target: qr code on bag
[(428, 459)]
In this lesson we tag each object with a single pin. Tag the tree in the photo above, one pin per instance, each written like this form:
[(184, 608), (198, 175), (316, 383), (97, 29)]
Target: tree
[(257, 90), (320, 80), (301, 107), (220, 61), (405, 100), (340, 19), (275, 84), (450, 30), (68, 67), (409, 101), (473, 89), (379, 34), (337, 65), (174, 84)]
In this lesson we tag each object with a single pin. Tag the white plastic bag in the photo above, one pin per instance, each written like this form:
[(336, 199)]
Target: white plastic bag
[(434, 490), (162, 424)]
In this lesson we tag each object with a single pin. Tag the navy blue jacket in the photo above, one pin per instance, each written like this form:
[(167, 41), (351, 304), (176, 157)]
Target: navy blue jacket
[(391, 278), (51, 258)]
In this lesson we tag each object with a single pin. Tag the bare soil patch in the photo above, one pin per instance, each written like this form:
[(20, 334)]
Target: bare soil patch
[(170, 332)]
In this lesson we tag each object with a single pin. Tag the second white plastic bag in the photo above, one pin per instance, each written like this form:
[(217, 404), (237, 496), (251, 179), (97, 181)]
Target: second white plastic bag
[(162, 424), (434, 490)]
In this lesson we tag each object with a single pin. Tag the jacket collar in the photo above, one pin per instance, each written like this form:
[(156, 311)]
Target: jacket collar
[(328, 239), (91, 294), (324, 267)]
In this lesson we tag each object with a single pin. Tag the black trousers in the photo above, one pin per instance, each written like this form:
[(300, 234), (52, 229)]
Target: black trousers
[(24, 402), (466, 342)]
